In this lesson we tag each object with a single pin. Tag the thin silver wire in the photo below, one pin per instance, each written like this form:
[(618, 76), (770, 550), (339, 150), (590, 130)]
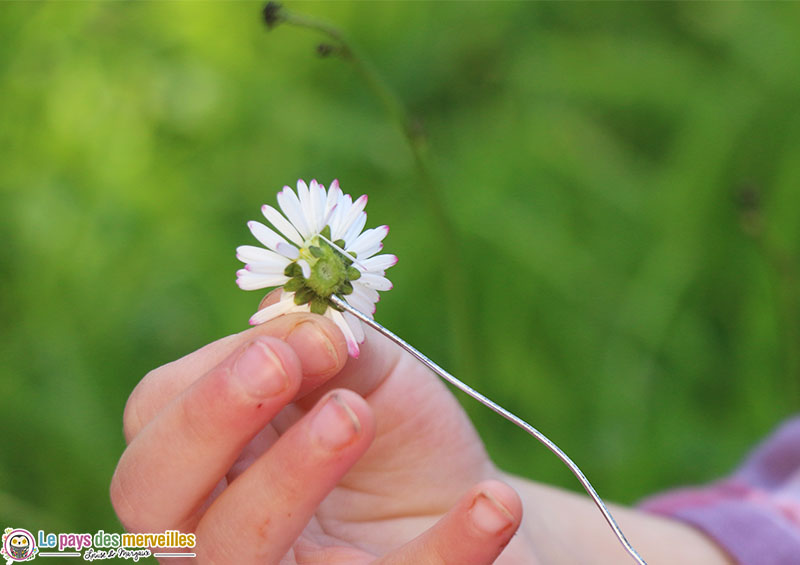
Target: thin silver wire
[(341, 304)]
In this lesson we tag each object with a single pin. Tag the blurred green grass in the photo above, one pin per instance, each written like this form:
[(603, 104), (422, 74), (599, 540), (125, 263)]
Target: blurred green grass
[(623, 178)]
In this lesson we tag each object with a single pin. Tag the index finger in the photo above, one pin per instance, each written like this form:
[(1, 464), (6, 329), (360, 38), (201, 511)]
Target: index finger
[(317, 342)]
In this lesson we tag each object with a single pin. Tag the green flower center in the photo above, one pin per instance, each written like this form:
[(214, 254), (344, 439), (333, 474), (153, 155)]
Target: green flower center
[(331, 273)]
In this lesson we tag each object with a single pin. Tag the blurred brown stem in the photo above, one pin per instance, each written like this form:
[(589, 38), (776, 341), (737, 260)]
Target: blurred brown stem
[(458, 303), (786, 281)]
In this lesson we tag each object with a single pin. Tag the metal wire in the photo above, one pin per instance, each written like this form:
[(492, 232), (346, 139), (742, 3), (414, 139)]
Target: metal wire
[(342, 305)]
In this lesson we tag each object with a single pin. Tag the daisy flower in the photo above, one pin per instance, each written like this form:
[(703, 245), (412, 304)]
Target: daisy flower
[(317, 249)]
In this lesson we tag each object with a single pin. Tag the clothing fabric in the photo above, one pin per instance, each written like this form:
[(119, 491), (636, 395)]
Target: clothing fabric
[(755, 513)]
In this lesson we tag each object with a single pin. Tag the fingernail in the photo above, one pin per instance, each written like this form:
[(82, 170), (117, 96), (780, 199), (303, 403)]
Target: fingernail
[(313, 346), (260, 371), (489, 515), (335, 425)]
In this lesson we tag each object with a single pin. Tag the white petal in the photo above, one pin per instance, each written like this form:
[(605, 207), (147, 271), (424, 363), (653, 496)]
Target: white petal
[(367, 253), (322, 203), (376, 282), (368, 241), (334, 193), (316, 197), (359, 303), (338, 229), (290, 206), (266, 236), (281, 224), (355, 229), (379, 262), (253, 254), (352, 214), (328, 219), (284, 305), (338, 319), (364, 293), (248, 280), (305, 267), (355, 326), (304, 195), (272, 266), (288, 250)]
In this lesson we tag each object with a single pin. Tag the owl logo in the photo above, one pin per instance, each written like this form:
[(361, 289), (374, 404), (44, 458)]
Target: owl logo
[(18, 545)]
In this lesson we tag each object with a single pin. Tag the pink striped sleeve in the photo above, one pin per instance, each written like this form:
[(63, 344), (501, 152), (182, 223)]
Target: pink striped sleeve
[(755, 513)]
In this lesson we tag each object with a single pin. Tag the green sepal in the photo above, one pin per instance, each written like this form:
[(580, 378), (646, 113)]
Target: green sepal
[(353, 274), (294, 284), (293, 270), (303, 296), (319, 305), (346, 288), (316, 251), (326, 232), (340, 243)]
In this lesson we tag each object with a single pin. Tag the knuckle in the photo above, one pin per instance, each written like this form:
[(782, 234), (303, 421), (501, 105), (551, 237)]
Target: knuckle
[(131, 419), (122, 496), (136, 415)]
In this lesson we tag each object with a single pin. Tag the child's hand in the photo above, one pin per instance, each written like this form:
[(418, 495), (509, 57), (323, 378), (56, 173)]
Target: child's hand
[(272, 449)]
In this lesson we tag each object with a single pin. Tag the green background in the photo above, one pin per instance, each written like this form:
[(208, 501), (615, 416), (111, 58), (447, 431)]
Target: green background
[(622, 182)]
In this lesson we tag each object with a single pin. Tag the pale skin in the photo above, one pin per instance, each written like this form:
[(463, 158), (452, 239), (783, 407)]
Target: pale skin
[(274, 447)]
